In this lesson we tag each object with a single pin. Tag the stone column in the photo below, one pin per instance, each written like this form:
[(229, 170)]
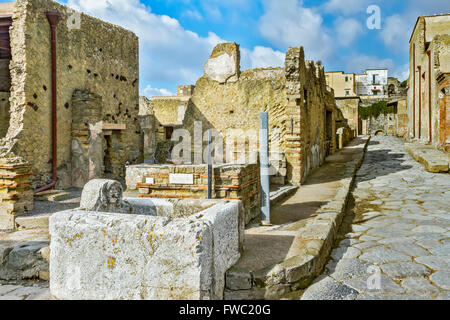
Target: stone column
[(87, 138), (148, 129)]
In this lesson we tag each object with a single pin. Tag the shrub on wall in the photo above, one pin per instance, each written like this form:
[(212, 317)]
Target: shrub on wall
[(375, 110)]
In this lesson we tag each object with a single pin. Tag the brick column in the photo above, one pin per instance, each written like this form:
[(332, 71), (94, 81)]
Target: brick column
[(16, 196), (293, 121)]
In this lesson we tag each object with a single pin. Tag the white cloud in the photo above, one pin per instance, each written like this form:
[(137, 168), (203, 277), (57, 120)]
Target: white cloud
[(287, 23), (193, 14), (347, 7), (261, 57), (347, 30), (149, 91), (397, 29), (357, 64), (396, 32), (400, 72), (168, 52)]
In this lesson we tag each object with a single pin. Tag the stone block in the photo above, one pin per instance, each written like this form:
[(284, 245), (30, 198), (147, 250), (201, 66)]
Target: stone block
[(96, 255), (223, 65), (239, 279), (7, 221)]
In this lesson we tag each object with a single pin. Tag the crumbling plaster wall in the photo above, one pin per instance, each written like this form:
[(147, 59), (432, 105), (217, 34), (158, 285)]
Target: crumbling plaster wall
[(350, 110), (295, 97), (97, 57)]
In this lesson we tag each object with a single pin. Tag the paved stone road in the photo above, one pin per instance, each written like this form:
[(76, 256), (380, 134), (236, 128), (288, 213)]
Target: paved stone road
[(24, 291), (397, 245)]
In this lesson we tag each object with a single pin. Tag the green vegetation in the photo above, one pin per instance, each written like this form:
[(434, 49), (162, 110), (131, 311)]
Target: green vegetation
[(375, 110)]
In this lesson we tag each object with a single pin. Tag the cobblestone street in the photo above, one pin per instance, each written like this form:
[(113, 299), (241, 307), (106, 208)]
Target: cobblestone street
[(24, 291), (396, 241)]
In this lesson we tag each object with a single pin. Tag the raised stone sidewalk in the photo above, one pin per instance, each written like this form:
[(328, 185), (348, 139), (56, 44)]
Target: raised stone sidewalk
[(435, 161), (25, 291), (287, 256)]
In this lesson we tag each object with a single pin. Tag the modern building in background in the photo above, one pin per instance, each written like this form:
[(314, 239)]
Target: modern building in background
[(343, 84), (372, 82)]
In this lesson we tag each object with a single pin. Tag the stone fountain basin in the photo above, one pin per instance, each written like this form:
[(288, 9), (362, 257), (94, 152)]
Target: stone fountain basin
[(168, 249)]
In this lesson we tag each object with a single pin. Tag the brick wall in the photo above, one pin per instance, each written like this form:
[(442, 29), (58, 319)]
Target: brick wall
[(232, 182)]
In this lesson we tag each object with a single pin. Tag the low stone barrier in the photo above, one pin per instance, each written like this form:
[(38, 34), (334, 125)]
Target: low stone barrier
[(180, 249)]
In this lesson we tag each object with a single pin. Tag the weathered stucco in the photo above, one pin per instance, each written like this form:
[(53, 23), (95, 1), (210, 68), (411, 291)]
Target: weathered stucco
[(350, 110), (429, 46), (97, 57)]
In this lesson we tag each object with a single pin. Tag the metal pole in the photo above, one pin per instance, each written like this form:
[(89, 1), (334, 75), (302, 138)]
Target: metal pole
[(264, 159), (210, 163)]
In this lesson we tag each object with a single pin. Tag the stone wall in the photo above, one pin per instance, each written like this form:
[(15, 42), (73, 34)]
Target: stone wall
[(232, 182), (382, 125), (402, 118), (97, 57), (296, 98), (350, 110)]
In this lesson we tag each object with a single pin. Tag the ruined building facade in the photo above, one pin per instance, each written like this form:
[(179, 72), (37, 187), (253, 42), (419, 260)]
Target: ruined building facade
[(429, 82), (303, 117), (92, 75)]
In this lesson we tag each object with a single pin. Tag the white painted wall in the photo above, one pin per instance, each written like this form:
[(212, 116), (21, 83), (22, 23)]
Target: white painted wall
[(365, 84)]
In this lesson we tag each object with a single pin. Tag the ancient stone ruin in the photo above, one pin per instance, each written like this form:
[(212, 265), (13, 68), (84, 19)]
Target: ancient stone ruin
[(71, 115), (305, 126)]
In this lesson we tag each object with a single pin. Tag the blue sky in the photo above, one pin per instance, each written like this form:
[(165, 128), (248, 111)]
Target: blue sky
[(177, 36)]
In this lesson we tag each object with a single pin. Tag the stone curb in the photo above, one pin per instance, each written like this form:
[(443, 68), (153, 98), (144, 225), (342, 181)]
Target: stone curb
[(281, 194), (435, 161), (298, 272)]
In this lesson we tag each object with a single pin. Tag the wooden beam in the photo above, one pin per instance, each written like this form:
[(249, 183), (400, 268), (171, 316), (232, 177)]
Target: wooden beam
[(114, 126)]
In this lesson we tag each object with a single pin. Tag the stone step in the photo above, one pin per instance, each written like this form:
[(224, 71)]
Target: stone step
[(435, 161), (281, 193), (33, 222)]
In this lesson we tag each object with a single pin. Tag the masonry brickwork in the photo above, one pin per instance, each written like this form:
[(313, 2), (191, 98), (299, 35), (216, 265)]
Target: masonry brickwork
[(97, 57), (231, 182)]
